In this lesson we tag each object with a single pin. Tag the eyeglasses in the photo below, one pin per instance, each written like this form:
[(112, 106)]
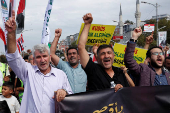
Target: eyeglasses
[(158, 53)]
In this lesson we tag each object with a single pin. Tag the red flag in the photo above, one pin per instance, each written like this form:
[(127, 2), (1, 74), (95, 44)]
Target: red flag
[(2, 36), (20, 16), (20, 42)]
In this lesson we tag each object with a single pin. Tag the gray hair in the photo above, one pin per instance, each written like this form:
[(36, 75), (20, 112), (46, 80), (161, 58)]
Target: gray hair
[(41, 48)]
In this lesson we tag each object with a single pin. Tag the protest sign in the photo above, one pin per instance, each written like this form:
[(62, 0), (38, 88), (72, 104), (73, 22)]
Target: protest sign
[(119, 51), (101, 34), (162, 38), (146, 99), (149, 27)]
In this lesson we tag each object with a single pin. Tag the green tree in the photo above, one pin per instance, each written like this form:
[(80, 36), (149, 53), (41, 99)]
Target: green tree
[(129, 22), (161, 23)]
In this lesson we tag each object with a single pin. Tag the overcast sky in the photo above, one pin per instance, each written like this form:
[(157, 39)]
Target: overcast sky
[(67, 15)]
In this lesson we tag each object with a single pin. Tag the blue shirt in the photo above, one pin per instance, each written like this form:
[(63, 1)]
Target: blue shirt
[(76, 76), (38, 88), (160, 79)]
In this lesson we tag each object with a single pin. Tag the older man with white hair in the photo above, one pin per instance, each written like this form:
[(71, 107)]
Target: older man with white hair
[(40, 81)]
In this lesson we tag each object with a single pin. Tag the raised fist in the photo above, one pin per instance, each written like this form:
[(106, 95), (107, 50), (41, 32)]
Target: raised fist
[(88, 18), (136, 33), (58, 32)]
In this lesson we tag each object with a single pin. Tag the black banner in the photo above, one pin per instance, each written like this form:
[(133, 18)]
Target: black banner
[(127, 100)]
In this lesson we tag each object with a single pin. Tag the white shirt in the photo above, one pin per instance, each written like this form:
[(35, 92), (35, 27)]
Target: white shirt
[(12, 102), (38, 88)]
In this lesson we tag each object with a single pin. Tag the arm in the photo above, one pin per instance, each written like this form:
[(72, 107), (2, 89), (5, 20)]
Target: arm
[(146, 61), (130, 81), (20, 89), (148, 41), (15, 82), (94, 49), (10, 26), (14, 59), (64, 52), (84, 57), (55, 59), (166, 48), (130, 63)]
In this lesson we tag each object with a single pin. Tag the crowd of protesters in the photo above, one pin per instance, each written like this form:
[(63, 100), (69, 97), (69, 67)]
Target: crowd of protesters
[(32, 80)]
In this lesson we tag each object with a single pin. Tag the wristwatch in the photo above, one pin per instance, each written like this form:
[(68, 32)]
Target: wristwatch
[(133, 40)]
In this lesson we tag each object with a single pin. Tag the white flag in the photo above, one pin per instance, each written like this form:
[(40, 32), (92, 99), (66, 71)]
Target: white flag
[(46, 31), (4, 9)]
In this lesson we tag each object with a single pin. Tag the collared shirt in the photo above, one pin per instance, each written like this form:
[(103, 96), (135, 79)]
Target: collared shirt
[(160, 79), (76, 76), (38, 88)]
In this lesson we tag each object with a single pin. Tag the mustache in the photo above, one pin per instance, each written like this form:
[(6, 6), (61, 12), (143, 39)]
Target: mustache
[(106, 59), (72, 57), (43, 62)]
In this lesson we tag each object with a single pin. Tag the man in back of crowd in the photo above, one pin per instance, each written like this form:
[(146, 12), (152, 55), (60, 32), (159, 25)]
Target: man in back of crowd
[(148, 75), (167, 64), (102, 74), (26, 58), (40, 81), (76, 75), (30, 59)]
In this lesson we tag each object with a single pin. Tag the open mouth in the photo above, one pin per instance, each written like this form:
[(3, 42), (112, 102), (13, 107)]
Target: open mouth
[(159, 60), (43, 64), (72, 58), (106, 61)]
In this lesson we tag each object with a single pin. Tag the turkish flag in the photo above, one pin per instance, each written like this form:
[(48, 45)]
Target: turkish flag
[(2, 36)]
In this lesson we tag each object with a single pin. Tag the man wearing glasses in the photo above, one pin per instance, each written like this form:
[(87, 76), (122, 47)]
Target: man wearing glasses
[(148, 75)]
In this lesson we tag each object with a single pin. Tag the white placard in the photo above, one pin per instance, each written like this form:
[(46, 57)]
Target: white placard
[(162, 38), (149, 27)]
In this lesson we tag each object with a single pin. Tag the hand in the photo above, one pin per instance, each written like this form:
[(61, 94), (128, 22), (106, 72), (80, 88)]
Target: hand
[(95, 47), (166, 48), (63, 50), (136, 33), (88, 18), (60, 95), (149, 39), (10, 24), (58, 32), (124, 69), (117, 87), (146, 61)]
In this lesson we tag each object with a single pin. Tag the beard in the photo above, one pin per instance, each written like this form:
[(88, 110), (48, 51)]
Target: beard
[(73, 64), (155, 65)]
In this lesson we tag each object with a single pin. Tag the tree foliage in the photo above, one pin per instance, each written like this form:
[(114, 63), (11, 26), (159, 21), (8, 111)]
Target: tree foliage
[(161, 23), (129, 22)]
